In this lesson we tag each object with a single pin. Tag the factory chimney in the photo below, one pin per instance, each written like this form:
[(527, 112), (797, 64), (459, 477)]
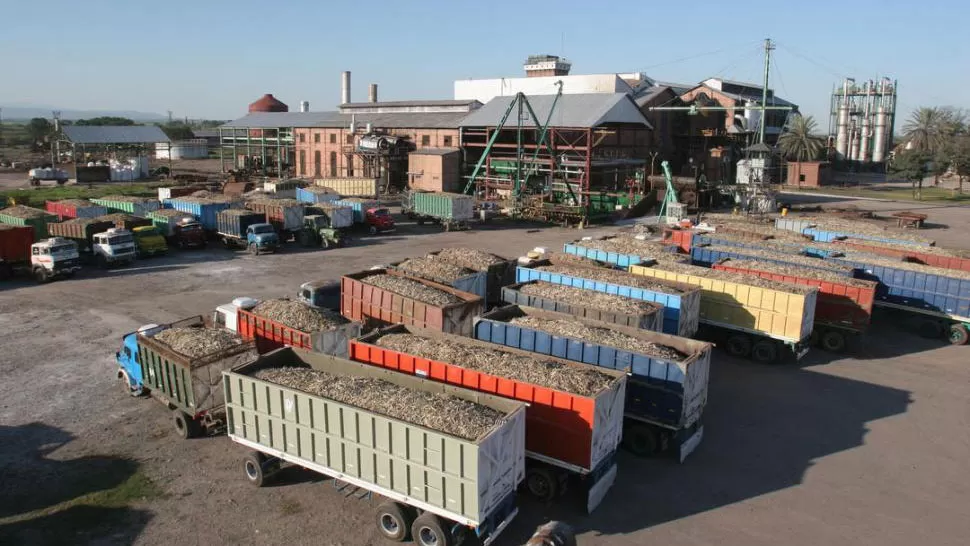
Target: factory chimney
[(304, 106), (345, 87), (372, 93)]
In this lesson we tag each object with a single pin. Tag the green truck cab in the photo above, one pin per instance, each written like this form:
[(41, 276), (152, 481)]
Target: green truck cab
[(318, 231), (149, 241)]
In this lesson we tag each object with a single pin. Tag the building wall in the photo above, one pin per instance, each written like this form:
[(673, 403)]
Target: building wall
[(809, 173), (486, 90), (435, 172), (336, 147)]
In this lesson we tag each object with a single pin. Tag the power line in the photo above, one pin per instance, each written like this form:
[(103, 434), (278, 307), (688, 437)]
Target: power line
[(697, 56), (738, 61), (830, 70)]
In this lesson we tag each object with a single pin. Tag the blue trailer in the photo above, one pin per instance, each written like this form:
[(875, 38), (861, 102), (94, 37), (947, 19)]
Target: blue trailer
[(665, 397), (710, 255), (619, 259), (827, 236), (682, 302), (204, 209), (940, 298), (649, 320)]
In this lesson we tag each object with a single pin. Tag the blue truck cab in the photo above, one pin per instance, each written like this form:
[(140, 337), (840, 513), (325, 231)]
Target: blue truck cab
[(262, 238), (129, 368)]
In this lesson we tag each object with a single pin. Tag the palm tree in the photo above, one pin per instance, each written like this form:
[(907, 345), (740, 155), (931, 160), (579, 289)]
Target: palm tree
[(928, 129), (801, 143)]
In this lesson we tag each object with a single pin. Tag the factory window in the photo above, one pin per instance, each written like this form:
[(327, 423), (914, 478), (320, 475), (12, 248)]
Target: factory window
[(302, 137), (333, 163), (446, 141), (316, 163), (302, 161), (426, 140), (350, 165), (350, 139), (801, 178), (316, 138), (333, 138)]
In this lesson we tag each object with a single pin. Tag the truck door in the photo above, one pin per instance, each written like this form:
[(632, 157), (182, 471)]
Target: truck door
[(128, 359)]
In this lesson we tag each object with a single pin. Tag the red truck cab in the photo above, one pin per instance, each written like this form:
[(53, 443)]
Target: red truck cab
[(190, 234), (379, 220)]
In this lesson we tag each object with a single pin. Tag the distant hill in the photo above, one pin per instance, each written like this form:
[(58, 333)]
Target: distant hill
[(25, 112)]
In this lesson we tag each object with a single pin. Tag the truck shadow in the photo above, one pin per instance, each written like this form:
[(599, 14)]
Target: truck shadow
[(49, 501), (764, 428), (890, 335)]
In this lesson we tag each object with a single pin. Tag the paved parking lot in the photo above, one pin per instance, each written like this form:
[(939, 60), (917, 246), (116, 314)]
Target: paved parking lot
[(866, 449)]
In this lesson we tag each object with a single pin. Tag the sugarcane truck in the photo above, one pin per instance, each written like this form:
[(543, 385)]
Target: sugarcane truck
[(249, 230), (113, 247), (318, 230), (188, 386), (462, 487), (54, 258)]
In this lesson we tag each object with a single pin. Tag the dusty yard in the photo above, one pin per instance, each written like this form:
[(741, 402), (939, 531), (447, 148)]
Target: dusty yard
[(867, 449)]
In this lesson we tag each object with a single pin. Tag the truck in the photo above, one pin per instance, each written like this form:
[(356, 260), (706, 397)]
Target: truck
[(371, 305), (844, 307), (369, 213), (240, 228), (634, 250), (67, 209), (472, 282), (20, 215), (42, 174), (665, 394), (324, 294), (286, 215), (499, 271), (149, 241), (46, 260), (315, 195), (123, 220), (113, 247), (568, 434), (134, 205), (239, 316), (451, 210), (179, 228), (205, 210), (188, 385), (755, 318), (650, 318), (460, 486), (324, 226), (81, 231)]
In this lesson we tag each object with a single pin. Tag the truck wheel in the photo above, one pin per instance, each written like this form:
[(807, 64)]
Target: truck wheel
[(541, 483), (429, 530), (102, 262), (958, 334), (41, 275), (255, 468), (372, 230), (833, 341), (764, 352), (253, 249), (185, 425), (738, 345), (394, 521), (420, 221), (641, 440), (324, 243)]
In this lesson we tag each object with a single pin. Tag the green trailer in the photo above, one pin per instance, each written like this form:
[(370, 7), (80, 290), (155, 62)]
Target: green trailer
[(19, 215), (451, 210), (437, 485), (136, 206)]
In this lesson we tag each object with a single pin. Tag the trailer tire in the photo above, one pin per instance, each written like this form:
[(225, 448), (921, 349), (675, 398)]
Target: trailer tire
[(41, 275), (833, 341), (764, 352), (254, 465), (185, 425), (958, 334), (324, 243), (394, 521), (372, 230), (420, 221), (541, 483), (640, 440), (738, 345), (429, 530)]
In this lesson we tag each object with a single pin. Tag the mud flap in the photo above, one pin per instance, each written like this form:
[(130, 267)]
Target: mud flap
[(598, 489), (690, 444)]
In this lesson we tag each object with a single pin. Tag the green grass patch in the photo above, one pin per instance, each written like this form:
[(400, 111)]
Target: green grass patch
[(37, 196), (137, 488)]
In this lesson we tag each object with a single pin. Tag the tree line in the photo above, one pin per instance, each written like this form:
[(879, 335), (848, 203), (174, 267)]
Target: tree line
[(40, 130)]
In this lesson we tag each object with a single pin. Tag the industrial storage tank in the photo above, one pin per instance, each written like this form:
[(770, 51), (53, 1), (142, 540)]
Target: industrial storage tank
[(268, 103)]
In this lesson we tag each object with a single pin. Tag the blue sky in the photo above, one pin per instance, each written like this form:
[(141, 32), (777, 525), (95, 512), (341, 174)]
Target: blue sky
[(210, 58)]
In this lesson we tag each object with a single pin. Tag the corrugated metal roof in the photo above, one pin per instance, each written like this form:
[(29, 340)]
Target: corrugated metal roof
[(115, 134), (443, 102), (401, 120), (652, 93), (581, 110)]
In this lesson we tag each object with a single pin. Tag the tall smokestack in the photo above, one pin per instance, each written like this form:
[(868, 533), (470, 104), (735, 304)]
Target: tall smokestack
[(304, 106), (372, 92), (345, 87)]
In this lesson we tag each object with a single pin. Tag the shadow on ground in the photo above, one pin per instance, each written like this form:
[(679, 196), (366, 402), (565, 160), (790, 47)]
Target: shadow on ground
[(764, 428), (48, 501)]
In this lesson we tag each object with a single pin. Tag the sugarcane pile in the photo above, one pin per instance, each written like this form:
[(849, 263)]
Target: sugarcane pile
[(599, 336), (298, 315), (413, 289)]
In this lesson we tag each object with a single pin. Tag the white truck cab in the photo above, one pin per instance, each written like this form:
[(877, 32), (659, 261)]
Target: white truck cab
[(227, 315), (114, 246), (54, 257)]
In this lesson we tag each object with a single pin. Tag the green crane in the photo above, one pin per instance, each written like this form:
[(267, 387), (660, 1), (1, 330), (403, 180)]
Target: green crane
[(521, 178)]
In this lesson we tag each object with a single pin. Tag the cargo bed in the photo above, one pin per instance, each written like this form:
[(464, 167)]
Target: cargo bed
[(647, 321), (270, 335)]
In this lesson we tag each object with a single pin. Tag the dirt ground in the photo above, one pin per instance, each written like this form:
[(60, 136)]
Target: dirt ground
[(867, 449)]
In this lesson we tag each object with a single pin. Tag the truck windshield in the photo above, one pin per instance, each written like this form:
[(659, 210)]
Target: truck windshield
[(382, 212), (263, 229), (119, 239), (191, 227)]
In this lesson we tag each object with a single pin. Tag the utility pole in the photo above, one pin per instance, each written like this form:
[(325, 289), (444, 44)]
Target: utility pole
[(1, 126), (764, 91), (56, 144), (169, 117)]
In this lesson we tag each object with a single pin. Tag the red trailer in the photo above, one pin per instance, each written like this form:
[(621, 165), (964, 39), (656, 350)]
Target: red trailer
[(567, 431), (68, 209), (271, 335), (936, 258), (680, 237), (844, 304), (366, 303), (15, 243)]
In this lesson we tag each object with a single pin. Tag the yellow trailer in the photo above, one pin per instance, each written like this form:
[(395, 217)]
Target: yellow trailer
[(752, 316)]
